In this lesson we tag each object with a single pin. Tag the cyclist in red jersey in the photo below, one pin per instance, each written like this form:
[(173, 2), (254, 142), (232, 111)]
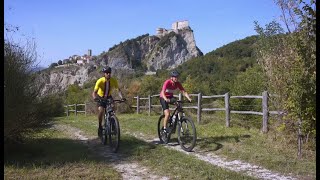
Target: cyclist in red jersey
[(168, 88)]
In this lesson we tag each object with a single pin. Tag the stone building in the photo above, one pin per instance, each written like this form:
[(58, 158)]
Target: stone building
[(178, 25)]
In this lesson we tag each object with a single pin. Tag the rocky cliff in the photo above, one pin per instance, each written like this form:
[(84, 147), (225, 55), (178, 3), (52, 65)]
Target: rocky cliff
[(153, 52), (144, 53)]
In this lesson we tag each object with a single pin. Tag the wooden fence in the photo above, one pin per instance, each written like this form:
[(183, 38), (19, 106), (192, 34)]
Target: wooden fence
[(265, 108), (75, 109)]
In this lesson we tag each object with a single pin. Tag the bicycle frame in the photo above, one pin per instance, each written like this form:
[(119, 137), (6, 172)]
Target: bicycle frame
[(184, 125), (179, 113), (108, 111)]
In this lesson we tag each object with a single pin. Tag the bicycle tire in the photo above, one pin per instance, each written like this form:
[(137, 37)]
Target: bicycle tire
[(114, 134), (104, 136), (164, 138), (187, 135)]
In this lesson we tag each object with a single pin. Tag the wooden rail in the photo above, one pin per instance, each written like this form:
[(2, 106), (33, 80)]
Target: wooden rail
[(264, 97), (75, 109)]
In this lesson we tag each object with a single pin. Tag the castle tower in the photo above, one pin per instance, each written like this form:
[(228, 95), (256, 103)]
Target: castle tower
[(89, 52), (180, 25), (159, 31)]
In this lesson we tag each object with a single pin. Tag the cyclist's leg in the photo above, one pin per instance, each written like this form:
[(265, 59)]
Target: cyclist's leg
[(166, 112), (100, 117)]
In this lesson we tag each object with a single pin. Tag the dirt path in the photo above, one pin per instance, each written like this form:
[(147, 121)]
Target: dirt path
[(133, 171), (236, 165), (128, 170)]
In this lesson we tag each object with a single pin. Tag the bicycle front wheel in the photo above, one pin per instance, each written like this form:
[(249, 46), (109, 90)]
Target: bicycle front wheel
[(114, 134), (105, 132), (187, 134)]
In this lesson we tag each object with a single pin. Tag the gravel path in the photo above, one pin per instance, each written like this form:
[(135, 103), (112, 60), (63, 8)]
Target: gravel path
[(128, 170), (133, 171), (236, 165)]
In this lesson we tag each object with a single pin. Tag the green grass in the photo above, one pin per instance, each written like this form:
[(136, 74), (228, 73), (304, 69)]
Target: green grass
[(51, 155), (236, 142), (159, 159)]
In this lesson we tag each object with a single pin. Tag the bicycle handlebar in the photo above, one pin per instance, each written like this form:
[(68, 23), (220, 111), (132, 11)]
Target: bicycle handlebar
[(174, 102), (108, 100), (119, 100)]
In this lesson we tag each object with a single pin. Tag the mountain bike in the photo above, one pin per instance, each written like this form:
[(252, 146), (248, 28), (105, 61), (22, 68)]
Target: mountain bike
[(111, 127), (186, 129)]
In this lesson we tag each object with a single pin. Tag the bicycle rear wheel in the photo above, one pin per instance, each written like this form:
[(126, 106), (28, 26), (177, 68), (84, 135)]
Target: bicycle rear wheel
[(164, 137), (114, 135), (187, 134)]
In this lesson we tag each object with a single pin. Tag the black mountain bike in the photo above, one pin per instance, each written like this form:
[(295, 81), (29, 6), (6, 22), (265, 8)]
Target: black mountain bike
[(186, 129), (111, 127)]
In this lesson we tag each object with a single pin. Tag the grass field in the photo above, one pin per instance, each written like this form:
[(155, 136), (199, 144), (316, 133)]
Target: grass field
[(269, 150), (50, 154)]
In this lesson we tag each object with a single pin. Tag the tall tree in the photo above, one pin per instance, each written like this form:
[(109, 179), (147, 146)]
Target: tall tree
[(289, 61)]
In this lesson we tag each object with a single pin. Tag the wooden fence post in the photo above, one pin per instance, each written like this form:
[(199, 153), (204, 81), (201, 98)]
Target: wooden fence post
[(85, 109), (199, 108), (67, 110), (265, 112), (138, 108), (227, 107), (75, 109), (149, 99)]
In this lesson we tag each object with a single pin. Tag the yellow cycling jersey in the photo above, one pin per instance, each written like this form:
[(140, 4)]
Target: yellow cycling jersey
[(101, 85)]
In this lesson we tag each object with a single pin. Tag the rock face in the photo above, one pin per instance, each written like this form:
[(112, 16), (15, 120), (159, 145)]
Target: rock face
[(166, 50), (59, 78), (154, 52)]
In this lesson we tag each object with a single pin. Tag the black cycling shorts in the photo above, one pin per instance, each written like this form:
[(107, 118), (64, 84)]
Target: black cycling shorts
[(103, 104), (164, 104)]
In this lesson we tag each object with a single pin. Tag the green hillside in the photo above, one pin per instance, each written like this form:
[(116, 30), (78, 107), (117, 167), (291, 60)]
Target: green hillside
[(215, 71)]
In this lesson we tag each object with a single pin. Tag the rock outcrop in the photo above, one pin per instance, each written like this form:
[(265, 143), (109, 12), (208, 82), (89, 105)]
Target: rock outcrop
[(153, 52), (144, 53)]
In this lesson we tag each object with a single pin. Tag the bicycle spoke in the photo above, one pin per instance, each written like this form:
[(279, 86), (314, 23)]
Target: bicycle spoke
[(163, 137), (187, 134), (114, 134)]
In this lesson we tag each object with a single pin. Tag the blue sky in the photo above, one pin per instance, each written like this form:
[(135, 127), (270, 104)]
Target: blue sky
[(62, 28)]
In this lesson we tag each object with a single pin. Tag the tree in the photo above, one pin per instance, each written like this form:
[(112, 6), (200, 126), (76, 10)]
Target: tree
[(53, 65), (75, 95), (150, 85), (289, 61), (24, 110), (60, 62)]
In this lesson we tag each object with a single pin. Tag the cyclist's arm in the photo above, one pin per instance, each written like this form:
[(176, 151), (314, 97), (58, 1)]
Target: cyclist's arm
[(95, 90), (120, 93), (186, 95), (184, 92), (163, 95), (94, 94), (116, 86)]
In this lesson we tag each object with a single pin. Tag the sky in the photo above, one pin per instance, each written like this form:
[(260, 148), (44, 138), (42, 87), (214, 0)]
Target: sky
[(62, 28)]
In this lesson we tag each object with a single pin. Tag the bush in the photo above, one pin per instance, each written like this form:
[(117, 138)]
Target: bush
[(23, 109), (52, 106)]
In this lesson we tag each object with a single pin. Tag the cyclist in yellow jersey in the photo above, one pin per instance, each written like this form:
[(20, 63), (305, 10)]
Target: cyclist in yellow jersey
[(103, 89)]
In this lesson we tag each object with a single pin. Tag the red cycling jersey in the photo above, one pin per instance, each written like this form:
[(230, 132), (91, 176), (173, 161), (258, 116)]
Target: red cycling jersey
[(169, 87)]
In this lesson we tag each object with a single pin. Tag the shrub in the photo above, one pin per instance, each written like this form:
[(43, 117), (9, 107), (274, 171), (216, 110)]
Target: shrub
[(23, 109)]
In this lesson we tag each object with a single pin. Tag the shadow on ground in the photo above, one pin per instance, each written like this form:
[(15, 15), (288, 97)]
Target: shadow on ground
[(215, 143), (57, 151)]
